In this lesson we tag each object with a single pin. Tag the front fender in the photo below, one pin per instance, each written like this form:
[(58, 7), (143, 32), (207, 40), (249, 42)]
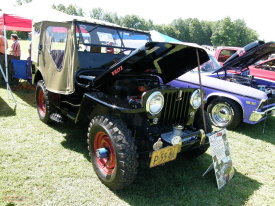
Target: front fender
[(222, 94), (98, 103), (36, 77), (213, 95)]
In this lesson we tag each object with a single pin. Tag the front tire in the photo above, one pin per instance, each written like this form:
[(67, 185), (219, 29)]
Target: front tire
[(198, 121), (119, 168), (224, 112), (198, 124), (43, 105)]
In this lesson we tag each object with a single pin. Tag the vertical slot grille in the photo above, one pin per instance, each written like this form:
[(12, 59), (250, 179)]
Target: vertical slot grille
[(175, 110)]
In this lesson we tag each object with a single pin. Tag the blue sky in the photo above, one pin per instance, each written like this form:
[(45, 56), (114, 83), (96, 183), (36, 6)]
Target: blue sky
[(258, 16)]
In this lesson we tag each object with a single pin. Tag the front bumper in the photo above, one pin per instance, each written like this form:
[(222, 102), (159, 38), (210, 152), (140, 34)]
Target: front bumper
[(257, 116), (187, 140), (162, 155)]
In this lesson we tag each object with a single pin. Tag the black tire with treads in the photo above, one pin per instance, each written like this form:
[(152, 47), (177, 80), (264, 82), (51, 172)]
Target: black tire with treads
[(198, 124), (119, 168), (43, 105)]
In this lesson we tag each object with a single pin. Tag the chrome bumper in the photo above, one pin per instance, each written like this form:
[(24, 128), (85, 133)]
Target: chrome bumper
[(257, 116)]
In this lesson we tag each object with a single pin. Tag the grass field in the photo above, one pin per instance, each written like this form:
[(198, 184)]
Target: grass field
[(49, 165)]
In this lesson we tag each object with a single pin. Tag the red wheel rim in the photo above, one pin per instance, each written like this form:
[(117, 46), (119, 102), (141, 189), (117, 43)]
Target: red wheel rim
[(41, 103), (107, 164)]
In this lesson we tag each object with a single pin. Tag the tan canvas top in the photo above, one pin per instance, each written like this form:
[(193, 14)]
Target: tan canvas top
[(59, 80)]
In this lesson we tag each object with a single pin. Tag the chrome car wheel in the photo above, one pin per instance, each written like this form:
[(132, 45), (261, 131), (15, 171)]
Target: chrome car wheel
[(222, 113), (225, 112)]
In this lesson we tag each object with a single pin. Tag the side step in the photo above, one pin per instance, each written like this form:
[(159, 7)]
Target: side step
[(58, 118)]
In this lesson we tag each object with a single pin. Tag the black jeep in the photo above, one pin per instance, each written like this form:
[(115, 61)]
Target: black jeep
[(116, 77)]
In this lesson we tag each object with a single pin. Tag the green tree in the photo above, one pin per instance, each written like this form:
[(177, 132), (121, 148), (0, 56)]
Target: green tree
[(207, 30), (167, 30), (80, 11), (20, 2), (252, 35), (112, 18), (182, 26), (224, 34), (244, 35), (97, 13), (134, 21), (71, 9), (196, 31), (21, 34), (216, 33), (60, 7)]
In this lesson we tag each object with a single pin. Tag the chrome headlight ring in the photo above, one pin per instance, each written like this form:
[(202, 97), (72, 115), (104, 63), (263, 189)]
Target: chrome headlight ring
[(195, 99), (154, 103)]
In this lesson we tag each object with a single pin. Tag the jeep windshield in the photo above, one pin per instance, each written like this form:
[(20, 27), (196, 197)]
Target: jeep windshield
[(107, 39)]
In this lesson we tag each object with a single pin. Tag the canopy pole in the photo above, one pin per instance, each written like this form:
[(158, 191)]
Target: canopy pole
[(6, 77), (6, 54)]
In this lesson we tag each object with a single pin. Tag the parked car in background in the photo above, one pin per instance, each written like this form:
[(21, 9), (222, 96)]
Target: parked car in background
[(224, 52), (264, 69), (232, 98)]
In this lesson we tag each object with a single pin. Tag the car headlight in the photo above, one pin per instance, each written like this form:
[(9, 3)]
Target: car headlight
[(155, 103), (195, 99)]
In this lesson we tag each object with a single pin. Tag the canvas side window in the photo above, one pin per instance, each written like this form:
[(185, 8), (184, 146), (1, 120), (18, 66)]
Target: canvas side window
[(55, 42), (35, 40)]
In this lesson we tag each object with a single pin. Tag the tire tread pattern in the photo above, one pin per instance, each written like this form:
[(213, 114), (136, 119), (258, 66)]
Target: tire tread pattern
[(49, 108), (125, 148), (198, 123)]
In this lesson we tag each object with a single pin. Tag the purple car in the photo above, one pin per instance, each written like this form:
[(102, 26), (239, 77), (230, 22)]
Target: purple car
[(232, 95)]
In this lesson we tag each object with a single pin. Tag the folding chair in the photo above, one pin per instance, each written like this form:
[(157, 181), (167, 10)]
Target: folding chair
[(22, 74)]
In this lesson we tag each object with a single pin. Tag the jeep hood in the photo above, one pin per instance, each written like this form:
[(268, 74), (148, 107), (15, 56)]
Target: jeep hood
[(247, 56), (166, 60)]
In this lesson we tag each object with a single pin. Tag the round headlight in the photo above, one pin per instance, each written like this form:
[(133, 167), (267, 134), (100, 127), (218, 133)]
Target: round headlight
[(155, 103), (195, 99)]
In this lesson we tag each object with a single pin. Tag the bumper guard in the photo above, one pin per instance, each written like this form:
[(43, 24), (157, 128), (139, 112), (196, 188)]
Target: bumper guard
[(257, 116)]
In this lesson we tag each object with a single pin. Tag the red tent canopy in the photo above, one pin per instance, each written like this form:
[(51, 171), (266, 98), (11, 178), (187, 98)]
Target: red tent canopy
[(14, 22)]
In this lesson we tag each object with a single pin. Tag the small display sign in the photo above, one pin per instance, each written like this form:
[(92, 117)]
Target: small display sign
[(222, 162)]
